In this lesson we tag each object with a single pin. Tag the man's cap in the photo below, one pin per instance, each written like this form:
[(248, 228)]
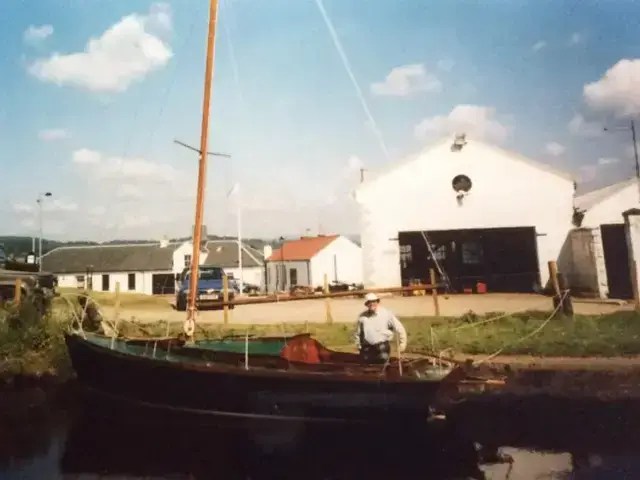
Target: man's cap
[(371, 297)]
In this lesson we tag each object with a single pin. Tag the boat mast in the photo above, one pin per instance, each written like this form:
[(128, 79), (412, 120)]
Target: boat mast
[(189, 325)]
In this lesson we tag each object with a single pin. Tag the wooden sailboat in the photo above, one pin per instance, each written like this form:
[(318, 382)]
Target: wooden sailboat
[(298, 379)]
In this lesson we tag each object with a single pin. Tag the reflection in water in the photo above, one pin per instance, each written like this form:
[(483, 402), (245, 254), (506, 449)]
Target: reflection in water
[(151, 448), (103, 443)]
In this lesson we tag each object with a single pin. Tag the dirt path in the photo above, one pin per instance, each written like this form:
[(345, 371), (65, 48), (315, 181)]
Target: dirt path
[(347, 310)]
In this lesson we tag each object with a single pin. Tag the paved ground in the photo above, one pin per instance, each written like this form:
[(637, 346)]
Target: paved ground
[(347, 310)]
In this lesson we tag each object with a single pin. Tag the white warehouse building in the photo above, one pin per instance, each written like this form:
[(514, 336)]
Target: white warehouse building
[(147, 268), (485, 217)]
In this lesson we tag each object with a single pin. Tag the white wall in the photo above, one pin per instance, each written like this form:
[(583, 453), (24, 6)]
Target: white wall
[(275, 281), (610, 209), (178, 256), (586, 271), (144, 284), (418, 195), (252, 275), (341, 253)]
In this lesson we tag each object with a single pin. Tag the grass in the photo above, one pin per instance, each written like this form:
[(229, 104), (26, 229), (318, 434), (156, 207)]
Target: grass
[(34, 347), (108, 299), (616, 334)]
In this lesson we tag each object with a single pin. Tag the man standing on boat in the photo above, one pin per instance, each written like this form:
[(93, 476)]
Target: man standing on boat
[(375, 329)]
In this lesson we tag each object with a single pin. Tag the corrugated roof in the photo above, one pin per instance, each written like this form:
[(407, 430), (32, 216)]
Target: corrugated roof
[(143, 257), (302, 249), (110, 258), (448, 140), (224, 253), (589, 200)]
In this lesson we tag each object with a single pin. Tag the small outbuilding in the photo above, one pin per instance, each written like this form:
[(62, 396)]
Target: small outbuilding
[(306, 261)]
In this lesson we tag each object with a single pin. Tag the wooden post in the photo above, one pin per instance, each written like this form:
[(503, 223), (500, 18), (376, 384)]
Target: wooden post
[(17, 294), (434, 292), (225, 298), (567, 303), (553, 277), (327, 304), (117, 304)]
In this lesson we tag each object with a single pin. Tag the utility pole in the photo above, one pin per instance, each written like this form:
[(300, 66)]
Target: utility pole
[(39, 201), (362, 170), (635, 151)]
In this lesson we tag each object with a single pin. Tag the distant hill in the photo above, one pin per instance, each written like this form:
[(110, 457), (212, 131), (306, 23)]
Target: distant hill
[(17, 246)]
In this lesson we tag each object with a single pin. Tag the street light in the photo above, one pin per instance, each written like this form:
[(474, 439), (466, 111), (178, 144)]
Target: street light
[(39, 201)]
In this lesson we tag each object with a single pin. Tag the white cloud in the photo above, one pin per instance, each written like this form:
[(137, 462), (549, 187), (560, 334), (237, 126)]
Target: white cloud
[(86, 156), (587, 173), (584, 128), (53, 134), (23, 207), (618, 91), (111, 167), (28, 223), (539, 46), (576, 38), (608, 161), (97, 210), (405, 81), (355, 163), (555, 149), (125, 53), (128, 190), (59, 205), (446, 65), (35, 34), (474, 120)]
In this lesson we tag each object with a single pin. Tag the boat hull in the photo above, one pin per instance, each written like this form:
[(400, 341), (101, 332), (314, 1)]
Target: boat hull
[(232, 391)]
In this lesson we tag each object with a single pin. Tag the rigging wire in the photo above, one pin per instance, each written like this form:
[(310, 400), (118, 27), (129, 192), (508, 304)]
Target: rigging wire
[(347, 66)]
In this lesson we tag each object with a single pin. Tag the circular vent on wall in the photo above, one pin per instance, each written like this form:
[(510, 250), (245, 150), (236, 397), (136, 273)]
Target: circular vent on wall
[(461, 183)]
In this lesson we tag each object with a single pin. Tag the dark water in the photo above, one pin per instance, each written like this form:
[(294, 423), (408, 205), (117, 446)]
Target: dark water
[(69, 437)]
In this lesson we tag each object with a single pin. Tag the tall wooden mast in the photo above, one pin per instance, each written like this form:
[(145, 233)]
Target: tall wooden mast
[(189, 325)]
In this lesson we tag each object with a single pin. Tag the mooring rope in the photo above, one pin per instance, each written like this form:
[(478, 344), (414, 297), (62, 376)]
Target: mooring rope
[(529, 335)]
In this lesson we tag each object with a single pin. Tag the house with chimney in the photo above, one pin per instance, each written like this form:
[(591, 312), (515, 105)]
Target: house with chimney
[(147, 268), (306, 261)]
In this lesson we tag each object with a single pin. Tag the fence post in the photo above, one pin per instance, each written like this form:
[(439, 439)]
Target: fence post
[(327, 304), (567, 302), (17, 294), (117, 305), (225, 298), (434, 292)]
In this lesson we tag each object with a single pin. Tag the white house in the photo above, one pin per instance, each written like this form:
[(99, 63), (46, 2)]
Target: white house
[(307, 260), (479, 213), (147, 268), (600, 252)]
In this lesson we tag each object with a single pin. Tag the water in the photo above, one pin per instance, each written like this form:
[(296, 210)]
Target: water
[(68, 438)]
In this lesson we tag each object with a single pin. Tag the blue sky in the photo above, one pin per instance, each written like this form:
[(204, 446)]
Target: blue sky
[(97, 128)]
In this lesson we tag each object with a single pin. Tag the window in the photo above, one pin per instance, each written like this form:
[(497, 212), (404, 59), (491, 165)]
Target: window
[(472, 253), (131, 281), (439, 252), (80, 281), (405, 254), (187, 261), (293, 275)]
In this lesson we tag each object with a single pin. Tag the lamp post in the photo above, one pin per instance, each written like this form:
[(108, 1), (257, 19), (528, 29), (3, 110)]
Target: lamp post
[(283, 271), (39, 201)]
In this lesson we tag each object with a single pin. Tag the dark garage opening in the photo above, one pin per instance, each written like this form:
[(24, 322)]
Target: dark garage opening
[(504, 259), (616, 260), (163, 284)]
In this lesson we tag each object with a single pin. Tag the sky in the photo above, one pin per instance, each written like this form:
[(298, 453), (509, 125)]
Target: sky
[(305, 94)]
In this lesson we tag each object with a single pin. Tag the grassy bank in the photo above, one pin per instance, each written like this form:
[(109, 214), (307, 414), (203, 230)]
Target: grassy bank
[(527, 333), (33, 347)]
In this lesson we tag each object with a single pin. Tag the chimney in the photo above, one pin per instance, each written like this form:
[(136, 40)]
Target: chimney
[(164, 242), (267, 250)]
